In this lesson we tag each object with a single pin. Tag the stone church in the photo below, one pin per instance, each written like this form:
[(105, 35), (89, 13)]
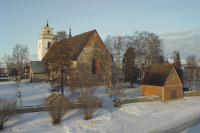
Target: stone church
[(87, 51)]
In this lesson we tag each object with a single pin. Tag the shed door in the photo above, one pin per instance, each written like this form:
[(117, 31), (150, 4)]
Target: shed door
[(173, 94)]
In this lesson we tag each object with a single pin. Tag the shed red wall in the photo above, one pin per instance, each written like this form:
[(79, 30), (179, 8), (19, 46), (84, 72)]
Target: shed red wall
[(151, 90), (167, 92), (173, 84)]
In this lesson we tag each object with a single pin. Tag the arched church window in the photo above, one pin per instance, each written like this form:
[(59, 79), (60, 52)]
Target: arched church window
[(49, 45), (95, 66), (48, 31)]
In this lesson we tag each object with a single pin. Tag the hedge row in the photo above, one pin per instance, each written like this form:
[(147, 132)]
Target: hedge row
[(191, 93), (118, 103), (38, 109)]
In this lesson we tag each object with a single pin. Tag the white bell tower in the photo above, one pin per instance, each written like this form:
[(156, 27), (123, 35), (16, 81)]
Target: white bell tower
[(44, 41)]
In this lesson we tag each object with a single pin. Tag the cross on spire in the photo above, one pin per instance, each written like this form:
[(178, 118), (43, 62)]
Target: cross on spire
[(47, 23)]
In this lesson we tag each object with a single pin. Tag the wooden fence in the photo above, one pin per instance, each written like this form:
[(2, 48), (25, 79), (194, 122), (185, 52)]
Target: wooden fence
[(39, 108)]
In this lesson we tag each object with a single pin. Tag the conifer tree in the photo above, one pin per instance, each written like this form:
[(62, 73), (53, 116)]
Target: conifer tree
[(177, 63), (57, 64), (129, 69)]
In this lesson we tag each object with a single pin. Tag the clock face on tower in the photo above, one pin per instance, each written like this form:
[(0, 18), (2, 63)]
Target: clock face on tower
[(48, 31)]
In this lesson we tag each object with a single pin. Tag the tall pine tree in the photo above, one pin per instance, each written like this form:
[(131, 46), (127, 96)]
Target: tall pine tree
[(177, 63), (57, 65), (129, 69)]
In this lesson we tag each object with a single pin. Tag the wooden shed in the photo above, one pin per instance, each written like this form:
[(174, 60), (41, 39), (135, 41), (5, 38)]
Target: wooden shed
[(162, 80), (37, 71), (56, 98)]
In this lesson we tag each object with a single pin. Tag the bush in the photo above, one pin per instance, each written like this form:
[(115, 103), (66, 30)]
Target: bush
[(57, 108), (7, 110), (116, 103), (90, 103)]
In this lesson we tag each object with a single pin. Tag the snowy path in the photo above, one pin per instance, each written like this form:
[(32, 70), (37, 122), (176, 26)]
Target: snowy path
[(183, 125), (124, 122)]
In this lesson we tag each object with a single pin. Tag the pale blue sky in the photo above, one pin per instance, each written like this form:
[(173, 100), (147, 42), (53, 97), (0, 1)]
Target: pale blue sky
[(176, 21)]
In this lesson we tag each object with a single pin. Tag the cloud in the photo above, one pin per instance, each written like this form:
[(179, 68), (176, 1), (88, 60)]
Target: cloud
[(188, 43), (170, 26), (179, 34)]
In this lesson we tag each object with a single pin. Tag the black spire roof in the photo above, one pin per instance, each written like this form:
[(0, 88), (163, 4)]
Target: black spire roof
[(47, 24)]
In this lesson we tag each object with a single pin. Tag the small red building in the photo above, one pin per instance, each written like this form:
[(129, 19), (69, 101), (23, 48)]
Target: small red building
[(162, 80), (26, 71), (3, 72)]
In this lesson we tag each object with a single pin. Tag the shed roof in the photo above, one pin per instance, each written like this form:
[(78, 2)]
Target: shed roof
[(56, 96), (157, 74), (38, 67), (188, 66)]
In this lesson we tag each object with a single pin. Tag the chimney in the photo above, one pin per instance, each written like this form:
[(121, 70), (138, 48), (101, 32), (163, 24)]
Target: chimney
[(70, 32)]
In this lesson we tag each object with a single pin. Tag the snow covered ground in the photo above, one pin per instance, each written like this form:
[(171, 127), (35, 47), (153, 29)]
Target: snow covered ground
[(193, 129), (129, 118), (3, 77)]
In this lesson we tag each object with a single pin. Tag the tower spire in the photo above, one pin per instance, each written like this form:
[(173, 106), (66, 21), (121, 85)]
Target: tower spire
[(70, 32), (47, 24)]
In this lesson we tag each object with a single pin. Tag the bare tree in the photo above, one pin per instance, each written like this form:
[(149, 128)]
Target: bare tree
[(7, 61), (109, 46), (84, 90), (192, 60), (61, 35), (190, 74), (116, 46), (147, 47), (118, 43), (20, 59), (1, 64), (7, 110), (56, 107)]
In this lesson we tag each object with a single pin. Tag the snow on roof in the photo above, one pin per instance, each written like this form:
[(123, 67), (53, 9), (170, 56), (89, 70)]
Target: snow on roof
[(187, 66)]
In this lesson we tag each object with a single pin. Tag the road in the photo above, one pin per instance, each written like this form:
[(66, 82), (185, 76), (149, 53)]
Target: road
[(180, 125)]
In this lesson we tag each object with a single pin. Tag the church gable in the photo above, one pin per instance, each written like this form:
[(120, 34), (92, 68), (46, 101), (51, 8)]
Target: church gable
[(94, 49), (95, 41), (78, 43)]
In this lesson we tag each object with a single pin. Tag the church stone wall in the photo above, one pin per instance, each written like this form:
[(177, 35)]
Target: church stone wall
[(84, 62), (95, 48)]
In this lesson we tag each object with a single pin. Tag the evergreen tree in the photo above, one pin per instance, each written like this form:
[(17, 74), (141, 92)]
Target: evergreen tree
[(161, 59), (57, 64), (129, 69), (177, 63)]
